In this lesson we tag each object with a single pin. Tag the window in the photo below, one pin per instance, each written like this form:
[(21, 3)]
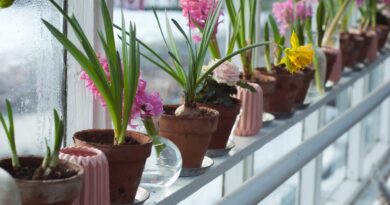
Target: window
[(31, 73)]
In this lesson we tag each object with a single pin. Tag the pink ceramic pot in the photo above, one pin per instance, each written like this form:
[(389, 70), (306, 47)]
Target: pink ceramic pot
[(96, 177), (251, 118)]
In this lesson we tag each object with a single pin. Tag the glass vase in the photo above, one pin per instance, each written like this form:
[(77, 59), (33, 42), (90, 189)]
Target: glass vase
[(163, 167)]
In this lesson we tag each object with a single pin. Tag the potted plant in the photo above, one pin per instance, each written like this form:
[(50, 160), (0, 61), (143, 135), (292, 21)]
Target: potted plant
[(188, 125), (383, 27), (42, 180), (330, 40), (288, 73), (126, 151), (294, 15), (350, 45), (217, 92), (243, 20), (219, 87), (367, 29)]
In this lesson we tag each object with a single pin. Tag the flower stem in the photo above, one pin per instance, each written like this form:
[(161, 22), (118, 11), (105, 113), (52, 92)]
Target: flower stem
[(214, 48), (152, 132)]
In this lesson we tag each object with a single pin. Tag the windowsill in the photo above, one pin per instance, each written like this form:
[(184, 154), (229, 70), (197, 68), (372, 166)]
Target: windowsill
[(246, 146)]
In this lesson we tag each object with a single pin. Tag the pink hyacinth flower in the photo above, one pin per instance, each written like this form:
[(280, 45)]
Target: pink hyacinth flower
[(145, 104), (198, 11), (284, 13)]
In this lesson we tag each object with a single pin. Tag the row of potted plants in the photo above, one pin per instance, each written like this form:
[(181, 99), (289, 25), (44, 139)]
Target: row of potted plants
[(213, 93)]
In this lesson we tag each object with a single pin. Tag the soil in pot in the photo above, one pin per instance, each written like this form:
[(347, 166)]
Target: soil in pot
[(227, 118), (382, 32), (308, 75), (191, 135), (267, 84), (60, 188), (286, 92), (126, 162)]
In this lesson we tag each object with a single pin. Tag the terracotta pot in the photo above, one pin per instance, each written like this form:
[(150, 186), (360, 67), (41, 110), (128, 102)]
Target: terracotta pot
[(96, 188), (47, 192), (350, 46), (267, 84), (287, 88), (383, 33), (308, 75), (369, 48), (126, 162), (251, 117), (191, 135), (227, 118), (334, 66)]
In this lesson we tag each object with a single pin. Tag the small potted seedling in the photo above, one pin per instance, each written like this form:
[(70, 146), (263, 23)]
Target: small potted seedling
[(42, 180)]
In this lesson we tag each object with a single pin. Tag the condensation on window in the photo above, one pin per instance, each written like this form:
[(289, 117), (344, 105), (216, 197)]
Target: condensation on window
[(31, 73)]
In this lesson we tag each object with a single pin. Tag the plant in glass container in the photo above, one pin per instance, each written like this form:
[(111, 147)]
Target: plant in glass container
[(126, 151), (189, 126), (164, 165), (46, 180)]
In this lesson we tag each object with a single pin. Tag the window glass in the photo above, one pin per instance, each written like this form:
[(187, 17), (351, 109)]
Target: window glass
[(31, 73), (148, 31)]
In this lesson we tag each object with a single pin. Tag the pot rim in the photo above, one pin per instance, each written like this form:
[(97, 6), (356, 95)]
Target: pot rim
[(237, 104), (215, 113), (79, 174), (75, 136)]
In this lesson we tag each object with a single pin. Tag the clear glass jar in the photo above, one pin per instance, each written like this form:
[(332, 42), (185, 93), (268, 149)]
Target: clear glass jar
[(164, 165)]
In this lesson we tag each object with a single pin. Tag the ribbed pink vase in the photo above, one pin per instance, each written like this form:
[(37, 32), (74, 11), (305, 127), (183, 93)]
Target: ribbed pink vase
[(96, 189), (251, 117)]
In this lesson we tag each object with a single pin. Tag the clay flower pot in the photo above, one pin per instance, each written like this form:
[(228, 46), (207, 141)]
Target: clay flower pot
[(382, 32), (267, 84), (334, 65), (96, 188), (308, 75), (46, 192), (126, 162), (227, 118), (286, 93), (191, 135), (350, 46), (251, 117), (369, 48)]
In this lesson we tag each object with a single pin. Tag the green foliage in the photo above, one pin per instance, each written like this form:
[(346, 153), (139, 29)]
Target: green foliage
[(320, 19), (118, 92), (213, 92), (189, 76), (244, 38), (10, 132), (6, 3)]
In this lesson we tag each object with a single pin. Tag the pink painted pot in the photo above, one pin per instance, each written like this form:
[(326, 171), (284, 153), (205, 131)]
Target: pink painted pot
[(96, 176), (251, 117)]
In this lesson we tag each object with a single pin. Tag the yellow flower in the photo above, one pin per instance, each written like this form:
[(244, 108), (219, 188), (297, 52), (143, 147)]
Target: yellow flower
[(297, 57)]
